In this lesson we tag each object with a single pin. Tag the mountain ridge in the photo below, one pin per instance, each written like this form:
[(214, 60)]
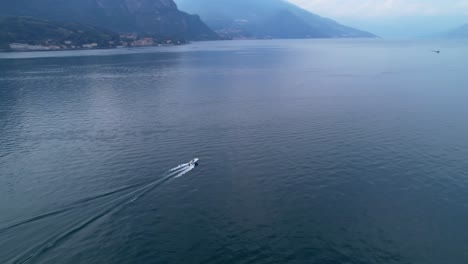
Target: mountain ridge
[(157, 17), (256, 19), (33, 33)]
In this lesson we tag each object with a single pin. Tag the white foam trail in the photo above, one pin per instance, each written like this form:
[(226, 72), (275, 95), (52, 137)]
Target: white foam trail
[(100, 211), (179, 167), (182, 173)]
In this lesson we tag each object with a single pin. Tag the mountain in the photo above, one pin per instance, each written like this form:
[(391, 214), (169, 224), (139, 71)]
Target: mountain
[(459, 32), (160, 18), (37, 32), (266, 19)]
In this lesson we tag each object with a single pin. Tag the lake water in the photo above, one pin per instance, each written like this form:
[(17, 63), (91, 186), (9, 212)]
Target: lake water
[(311, 151)]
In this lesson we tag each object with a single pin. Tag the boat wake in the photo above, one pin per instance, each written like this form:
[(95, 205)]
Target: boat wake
[(179, 167), (81, 214)]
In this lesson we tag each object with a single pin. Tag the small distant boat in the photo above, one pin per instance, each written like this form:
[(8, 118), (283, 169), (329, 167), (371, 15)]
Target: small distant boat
[(193, 162)]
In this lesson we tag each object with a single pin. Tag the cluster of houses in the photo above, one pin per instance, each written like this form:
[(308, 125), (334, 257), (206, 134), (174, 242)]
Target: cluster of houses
[(126, 40), (67, 45), (132, 40)]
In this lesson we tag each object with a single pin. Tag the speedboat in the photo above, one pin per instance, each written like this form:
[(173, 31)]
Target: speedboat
[(193, 162)]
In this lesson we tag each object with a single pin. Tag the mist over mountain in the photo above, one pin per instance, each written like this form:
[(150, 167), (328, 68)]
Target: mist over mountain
[(266, 19), (161, 18)]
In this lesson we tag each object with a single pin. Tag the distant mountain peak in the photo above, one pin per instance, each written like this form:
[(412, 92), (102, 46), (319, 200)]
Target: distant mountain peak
[(459, 32)]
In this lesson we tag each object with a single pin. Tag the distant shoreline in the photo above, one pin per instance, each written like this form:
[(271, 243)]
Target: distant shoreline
[(90, 49)]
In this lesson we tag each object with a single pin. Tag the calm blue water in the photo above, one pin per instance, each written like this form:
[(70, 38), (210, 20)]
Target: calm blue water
[(343, 151)]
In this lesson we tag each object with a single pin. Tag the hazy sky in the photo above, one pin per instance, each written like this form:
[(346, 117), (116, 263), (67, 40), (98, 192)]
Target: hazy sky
[(393, 18), (387, 8)]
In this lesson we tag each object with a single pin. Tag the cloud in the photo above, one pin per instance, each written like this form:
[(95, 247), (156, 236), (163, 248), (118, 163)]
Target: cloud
[(385, 8)]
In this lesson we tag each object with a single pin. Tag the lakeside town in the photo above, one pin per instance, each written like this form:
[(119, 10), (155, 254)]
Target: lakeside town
[(125, 40)]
